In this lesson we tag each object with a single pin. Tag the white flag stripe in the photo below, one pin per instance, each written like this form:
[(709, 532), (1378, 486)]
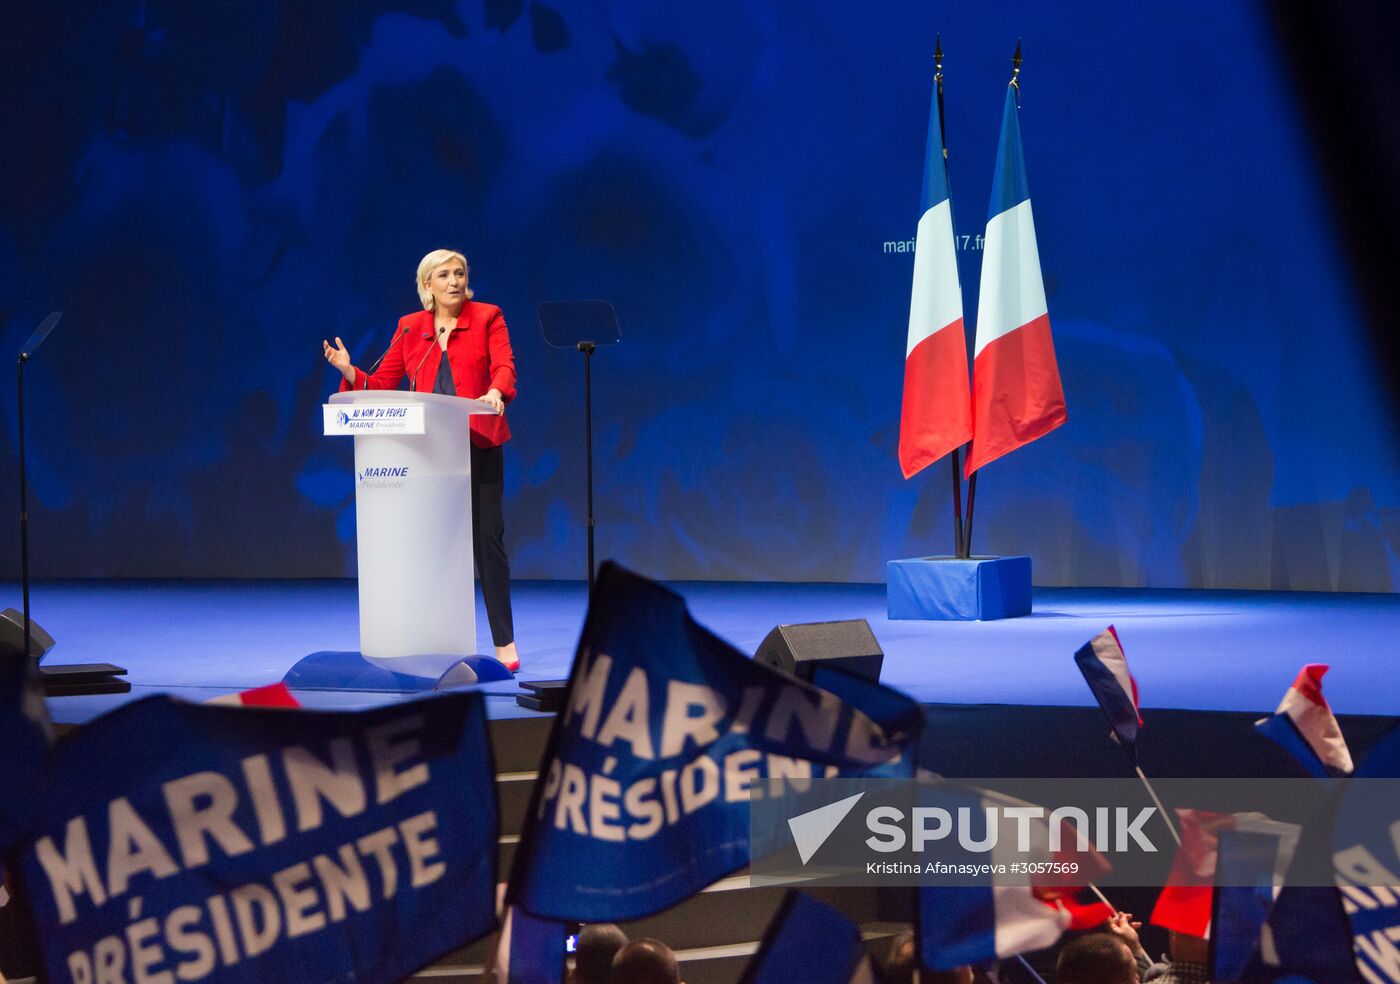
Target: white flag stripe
[(1318, 727), (1023, 922), (936, 299), (1012, 292), (1111, 655)]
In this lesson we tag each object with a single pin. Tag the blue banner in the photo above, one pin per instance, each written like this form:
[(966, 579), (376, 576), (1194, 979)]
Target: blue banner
[(531, 951), (1366, 856), (1245, 867), (1305, 937), (25, 734), (807, 941), (190, 842), (644, 791)]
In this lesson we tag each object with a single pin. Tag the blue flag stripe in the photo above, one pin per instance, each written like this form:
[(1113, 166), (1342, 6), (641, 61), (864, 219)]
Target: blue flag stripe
[(1242, 899), (1280, 729), (957, 926), (935, 167), (1115, 704), (1009, 186), (807, 941)]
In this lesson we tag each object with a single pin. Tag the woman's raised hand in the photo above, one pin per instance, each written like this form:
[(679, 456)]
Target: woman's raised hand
[(338, 357)]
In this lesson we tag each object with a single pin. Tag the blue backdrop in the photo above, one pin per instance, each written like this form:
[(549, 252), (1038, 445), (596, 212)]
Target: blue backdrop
[(208, 192)]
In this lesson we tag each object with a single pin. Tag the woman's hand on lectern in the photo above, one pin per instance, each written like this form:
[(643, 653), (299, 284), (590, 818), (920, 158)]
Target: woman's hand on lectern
[(493, 397), (338, 357)]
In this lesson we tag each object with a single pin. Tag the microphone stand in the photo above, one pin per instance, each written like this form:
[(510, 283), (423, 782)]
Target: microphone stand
[(413, 383), (375, 366), (582, 326), (24, 505), (73, 678), (587, 348)]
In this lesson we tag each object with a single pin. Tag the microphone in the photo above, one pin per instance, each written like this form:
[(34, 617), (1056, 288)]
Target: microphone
[(375, 366), (414, 387)]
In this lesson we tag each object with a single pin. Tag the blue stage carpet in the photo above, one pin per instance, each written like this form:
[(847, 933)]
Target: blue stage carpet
[(1194, 650)]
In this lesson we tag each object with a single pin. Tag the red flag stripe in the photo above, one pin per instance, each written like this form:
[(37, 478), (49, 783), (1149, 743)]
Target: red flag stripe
[(936, 414), (1016, 392)]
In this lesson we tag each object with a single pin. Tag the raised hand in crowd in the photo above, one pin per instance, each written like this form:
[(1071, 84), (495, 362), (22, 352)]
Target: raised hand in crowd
[(1121, 925)]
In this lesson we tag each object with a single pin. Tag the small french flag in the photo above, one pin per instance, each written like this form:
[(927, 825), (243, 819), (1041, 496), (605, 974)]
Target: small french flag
[(975, 924), (1185, 903), (1105, 669), (971, 924), (1305, 727)]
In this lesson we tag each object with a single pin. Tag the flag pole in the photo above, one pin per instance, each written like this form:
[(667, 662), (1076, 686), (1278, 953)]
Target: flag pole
[(1103, 898), (959, 549), (1029, 969), (971, 498), (1160, 808), (972, 481)]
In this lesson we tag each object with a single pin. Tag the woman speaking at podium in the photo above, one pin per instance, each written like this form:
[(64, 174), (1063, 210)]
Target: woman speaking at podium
[(459, 347)]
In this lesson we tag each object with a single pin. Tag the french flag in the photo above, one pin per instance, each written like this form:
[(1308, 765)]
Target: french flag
[(936, 414), (1305, 727), (975, 924), (1016, 391), (1105, 669), (1185, 903)]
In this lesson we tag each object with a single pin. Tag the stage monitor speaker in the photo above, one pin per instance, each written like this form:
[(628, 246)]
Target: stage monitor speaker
[(12, 634), (69, 680), (848, 646)]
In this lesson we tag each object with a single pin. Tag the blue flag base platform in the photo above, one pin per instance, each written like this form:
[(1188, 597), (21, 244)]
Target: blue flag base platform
[(332, 670), (951, 590)]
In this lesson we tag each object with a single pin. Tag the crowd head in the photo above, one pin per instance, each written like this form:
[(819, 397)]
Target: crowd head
[(598, 943), (645, 962), (1098, 958)]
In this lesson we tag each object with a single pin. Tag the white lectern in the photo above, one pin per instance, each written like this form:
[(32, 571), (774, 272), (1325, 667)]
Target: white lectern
[(413, 524)]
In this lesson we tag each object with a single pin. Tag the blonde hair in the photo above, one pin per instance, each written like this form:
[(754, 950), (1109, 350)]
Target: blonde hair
[(431, 262)]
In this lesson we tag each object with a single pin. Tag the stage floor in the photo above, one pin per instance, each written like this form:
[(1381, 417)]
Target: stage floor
[(1197, 650)]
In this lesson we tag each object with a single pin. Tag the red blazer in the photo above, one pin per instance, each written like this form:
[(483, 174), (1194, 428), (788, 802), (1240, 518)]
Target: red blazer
[(478, 351)]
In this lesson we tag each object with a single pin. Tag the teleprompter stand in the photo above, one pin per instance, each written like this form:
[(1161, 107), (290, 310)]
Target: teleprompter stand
[(582, 325), (18, 631)]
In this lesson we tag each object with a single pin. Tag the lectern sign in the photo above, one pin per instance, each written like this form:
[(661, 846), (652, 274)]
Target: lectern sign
[(373, 419)]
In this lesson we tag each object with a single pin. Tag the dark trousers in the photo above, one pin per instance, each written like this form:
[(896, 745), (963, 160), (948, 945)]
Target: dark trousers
[(489, 540)]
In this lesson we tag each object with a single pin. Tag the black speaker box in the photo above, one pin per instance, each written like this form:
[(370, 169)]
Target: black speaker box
[(848, 646)]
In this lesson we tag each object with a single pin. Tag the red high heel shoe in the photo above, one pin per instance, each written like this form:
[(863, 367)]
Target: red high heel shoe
[(509, 657)]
